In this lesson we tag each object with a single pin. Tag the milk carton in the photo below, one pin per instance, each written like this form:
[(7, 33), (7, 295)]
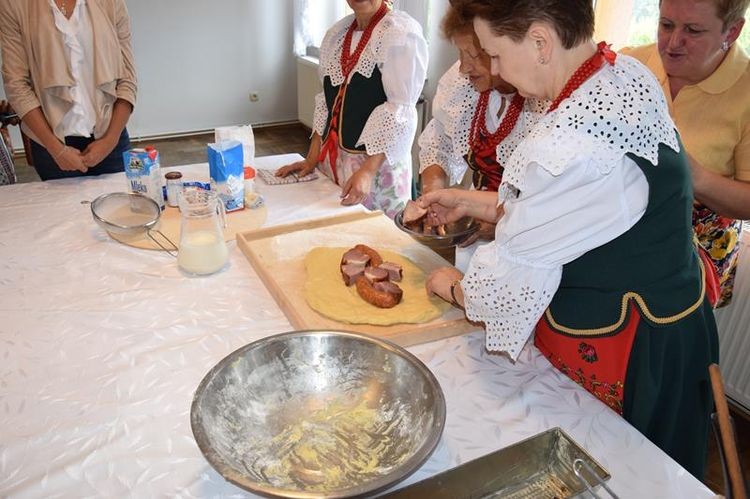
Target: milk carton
[(227, 174), (142, 172)]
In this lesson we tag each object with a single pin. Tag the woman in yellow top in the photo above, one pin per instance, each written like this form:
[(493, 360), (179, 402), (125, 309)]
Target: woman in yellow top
[(705, 76)]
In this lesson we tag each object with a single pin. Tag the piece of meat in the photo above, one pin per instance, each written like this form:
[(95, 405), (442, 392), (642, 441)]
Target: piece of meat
[(413, 212), (390, 288), (388, 296), (395, 271), (354, 256), (375, 258), (376, 274), (351, 272)]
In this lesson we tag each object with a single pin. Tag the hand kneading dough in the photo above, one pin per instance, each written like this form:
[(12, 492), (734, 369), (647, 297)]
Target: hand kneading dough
[(327, 294)]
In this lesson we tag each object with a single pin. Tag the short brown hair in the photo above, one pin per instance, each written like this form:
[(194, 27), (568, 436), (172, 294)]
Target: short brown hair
[(455, 22), (730, 11), (572, 20)]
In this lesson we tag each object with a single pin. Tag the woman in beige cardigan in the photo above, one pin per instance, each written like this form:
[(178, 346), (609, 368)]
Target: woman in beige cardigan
[(69, 73)]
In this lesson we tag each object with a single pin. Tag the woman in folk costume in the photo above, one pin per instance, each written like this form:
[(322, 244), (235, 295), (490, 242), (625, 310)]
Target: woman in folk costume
[(595, 249), (478, 120), (373, 67)]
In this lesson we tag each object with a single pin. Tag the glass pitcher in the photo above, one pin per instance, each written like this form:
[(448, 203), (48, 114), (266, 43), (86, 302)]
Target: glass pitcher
[(202, 249)]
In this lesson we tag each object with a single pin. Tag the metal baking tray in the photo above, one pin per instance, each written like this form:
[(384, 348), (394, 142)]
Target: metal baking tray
[(541, 466)]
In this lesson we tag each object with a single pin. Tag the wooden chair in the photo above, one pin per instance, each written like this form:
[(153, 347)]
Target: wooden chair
[(734, 480), (7, 167)]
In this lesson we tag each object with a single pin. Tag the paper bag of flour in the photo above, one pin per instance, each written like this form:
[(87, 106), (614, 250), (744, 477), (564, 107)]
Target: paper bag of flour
[(243, 134), (227, 174)]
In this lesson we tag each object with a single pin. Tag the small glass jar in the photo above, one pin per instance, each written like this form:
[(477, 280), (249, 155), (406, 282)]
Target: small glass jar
[(174, 187), (249, 172)]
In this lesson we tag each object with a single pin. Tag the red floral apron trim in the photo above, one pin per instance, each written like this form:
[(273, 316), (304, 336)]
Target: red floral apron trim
[(599, 364)]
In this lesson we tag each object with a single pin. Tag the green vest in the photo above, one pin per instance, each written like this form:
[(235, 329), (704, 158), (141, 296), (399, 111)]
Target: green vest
[(361, 97), (655, 263)]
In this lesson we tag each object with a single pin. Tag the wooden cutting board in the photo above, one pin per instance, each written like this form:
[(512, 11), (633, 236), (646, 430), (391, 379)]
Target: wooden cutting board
[(277, 254)]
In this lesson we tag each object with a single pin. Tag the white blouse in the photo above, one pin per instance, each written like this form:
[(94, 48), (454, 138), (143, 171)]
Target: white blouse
[(568, 188), (78, 40), (445, 139), (398, 48)]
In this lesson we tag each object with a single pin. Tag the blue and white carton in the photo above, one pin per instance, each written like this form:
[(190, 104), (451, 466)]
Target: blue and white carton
[(227, 173), (142, 169)]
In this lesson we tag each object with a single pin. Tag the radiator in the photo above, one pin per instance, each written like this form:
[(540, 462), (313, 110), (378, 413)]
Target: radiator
[(308, 86), (734, 333)]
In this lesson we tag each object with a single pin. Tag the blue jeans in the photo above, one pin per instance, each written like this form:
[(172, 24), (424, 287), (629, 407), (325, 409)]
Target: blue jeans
[(48, 169)]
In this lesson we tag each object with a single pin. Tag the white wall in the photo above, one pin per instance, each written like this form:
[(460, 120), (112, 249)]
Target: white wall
[(198, 62), (442, 53)]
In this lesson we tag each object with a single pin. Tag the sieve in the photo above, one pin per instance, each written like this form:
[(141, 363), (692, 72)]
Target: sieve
[(131, 214)]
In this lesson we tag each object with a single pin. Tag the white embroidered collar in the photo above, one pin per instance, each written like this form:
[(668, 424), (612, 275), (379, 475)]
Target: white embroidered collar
[(391, 31), (603, 120)]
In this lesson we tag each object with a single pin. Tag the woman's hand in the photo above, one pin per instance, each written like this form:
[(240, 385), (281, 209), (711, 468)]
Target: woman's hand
[(439, 283), (448, 205), (70, 159), (358, 187), (97, 151), (302, 168)]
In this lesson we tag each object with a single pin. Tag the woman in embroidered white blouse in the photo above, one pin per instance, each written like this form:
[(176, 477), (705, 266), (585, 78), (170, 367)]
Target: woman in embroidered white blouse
[(372, 66), (594, 252)]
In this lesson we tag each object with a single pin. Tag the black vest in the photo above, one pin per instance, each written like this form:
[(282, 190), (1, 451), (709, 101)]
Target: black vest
[(656, 258), (361, 97)]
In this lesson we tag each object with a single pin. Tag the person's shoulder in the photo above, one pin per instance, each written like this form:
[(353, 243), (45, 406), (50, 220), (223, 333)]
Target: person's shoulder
[(453, 78), (400, 22), (642, 53)]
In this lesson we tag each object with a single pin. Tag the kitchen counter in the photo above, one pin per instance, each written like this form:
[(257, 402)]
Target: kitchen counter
[(102, 346)]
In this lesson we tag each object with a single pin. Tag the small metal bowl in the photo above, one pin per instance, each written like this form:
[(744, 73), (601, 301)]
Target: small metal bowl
[(455, 233), (314, 414)]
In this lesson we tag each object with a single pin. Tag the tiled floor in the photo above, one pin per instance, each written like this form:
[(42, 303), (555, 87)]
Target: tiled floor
[(188, 150), (294, 138)]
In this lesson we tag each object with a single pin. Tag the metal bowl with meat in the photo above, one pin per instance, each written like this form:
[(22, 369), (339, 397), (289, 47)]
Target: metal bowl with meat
[(453, 235)]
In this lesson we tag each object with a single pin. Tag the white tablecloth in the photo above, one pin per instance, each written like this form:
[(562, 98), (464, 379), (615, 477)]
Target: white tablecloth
[(103, 345)]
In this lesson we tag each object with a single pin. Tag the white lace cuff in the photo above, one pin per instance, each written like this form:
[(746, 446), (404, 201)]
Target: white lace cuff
[(436, 148), (509, 295), (390, 129), (320, 115)]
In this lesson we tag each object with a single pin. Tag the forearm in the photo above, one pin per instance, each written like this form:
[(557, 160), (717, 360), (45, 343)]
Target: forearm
[(481, 205), (434, 178), (314, 151), (120, 115), (725, 196), (37, 123)]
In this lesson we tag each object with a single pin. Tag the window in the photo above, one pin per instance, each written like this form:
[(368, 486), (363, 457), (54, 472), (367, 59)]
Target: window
[(312, 18), (644, 21)]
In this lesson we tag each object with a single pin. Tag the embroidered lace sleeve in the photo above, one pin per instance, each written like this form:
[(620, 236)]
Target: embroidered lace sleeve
[(556, 219), (445, 139), (320, 115), (401, 53)]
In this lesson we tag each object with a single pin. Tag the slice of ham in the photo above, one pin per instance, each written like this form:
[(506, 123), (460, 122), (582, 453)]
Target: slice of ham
[(413, 212), (354, 256), (376, 274), (351, 271), (395, 271)]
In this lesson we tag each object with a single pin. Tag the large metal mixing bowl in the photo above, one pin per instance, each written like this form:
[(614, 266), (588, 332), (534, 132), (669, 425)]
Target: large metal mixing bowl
[(314, 414), (455, 233)]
